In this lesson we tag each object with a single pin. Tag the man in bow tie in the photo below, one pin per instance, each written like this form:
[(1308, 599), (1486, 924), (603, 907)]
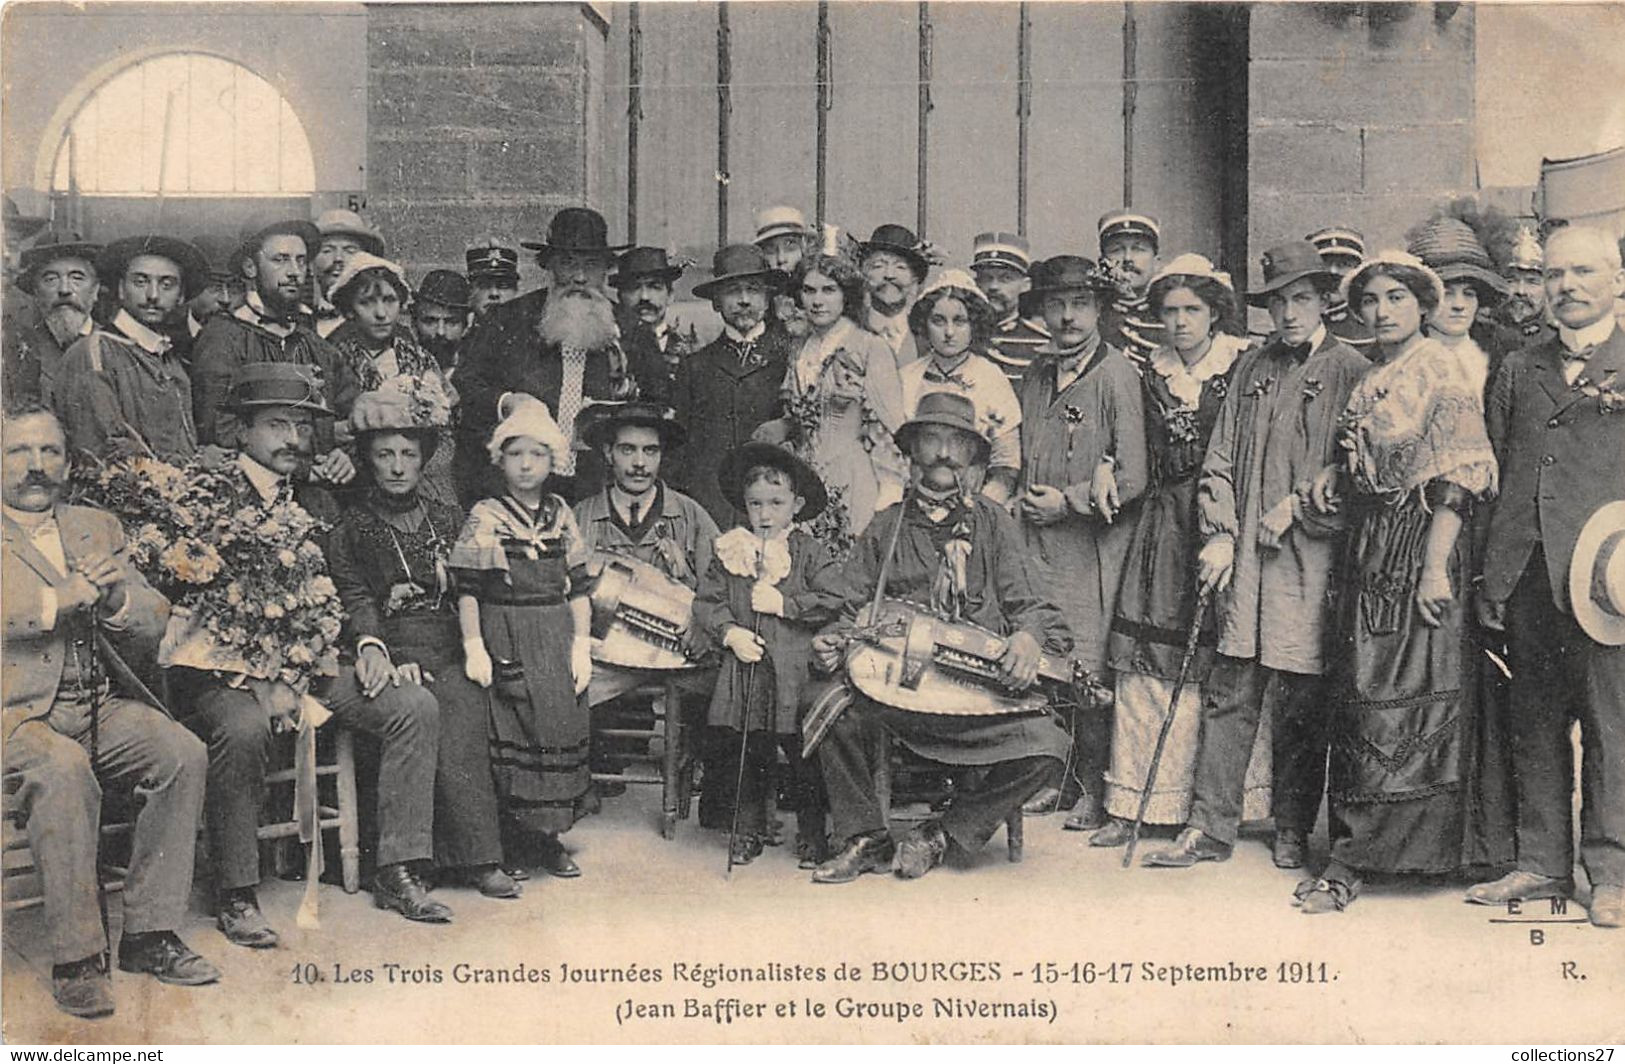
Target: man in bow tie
[(1554, 417), (894, 264), (1267, 560), (123, 389)]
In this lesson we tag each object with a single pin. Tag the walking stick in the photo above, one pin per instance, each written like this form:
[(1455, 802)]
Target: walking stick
[(744, 741), (1167, 723)]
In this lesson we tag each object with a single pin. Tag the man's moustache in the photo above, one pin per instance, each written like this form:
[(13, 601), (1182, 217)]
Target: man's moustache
[(36, 479)]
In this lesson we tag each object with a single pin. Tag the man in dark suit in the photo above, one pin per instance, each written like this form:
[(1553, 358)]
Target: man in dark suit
[(654, 346), (59, 273), (276, 403), (1556, 414), (70, 726)]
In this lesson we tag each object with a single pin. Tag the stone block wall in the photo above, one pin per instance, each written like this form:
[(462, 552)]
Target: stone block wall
[(1359, 114)]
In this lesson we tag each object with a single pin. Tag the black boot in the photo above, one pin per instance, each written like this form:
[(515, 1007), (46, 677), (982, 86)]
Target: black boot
[(398, 887)]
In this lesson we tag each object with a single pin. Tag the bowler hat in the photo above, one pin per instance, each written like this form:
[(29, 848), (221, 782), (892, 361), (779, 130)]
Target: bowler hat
[(1597, 576), (263, 384), (1450, 246), (737, 262), (446, 287), (51, 245), (340, 222), (110, 265), (804, 480), (944, 408), (492, 261), (644, 262), (1285, 263), (899, 240), (597, 423), (575, 229), (1061, 273)]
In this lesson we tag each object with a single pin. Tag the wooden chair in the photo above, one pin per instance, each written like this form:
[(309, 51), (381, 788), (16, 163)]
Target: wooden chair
[(21, 887), (667, 743), (886, 761), (335, 761)]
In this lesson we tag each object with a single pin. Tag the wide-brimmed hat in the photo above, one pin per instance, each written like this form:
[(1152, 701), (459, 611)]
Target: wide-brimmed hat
[(1392, 257), (255, 232), (1001, 249), (780, 221), (804, 480), (221, 252), (1597, 576), (598, 423), (1450, 246), (1126, 222), (20, 226), (1338, 241), (446, 287), (899, 240), (264, 384), (944, 408), (1285, 263), (340, 222), (356, 265), (738, 262), (1061, 273), (51, 245), (110, 264), (575, 229), (645, 262)]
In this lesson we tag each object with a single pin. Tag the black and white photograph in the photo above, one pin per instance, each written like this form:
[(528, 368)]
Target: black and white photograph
[(786, 522)]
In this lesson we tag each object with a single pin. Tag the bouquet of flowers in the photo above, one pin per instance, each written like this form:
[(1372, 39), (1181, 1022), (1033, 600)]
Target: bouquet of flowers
[(248, 581)]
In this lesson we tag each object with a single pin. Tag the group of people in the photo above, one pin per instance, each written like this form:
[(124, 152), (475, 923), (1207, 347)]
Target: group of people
[(1371, 560)]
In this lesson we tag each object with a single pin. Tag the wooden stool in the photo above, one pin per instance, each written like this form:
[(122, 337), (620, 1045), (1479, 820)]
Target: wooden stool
[(340, 815), (883, 756), (21, 890), (675, 777)]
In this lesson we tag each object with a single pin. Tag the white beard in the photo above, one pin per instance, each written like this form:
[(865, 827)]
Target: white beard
[(585, 320)]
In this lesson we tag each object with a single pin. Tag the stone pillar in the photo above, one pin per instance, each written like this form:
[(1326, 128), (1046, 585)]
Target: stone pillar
[(482, 118), (1360, 114)]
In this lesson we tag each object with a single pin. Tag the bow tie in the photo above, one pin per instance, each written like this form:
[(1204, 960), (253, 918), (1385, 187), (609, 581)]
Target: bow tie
[(1297, 352), (933, 375), (1581, 355)]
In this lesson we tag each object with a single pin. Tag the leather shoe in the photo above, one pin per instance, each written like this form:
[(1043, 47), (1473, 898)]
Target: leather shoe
[(1519, 886), (556, 860), (1192, 847), (864, 853), (921, 850), (82, 989), (1328, 895), (1608, 905), (493, 882), (162, 954), (1113, 835), (398, 887), (1287, 851), (241, 921), (1089, 814), (1043, 803), (746, 848)]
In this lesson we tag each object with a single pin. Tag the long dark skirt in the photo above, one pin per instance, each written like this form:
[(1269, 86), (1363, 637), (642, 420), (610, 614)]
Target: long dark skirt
[(1412, 746), (539, 728)]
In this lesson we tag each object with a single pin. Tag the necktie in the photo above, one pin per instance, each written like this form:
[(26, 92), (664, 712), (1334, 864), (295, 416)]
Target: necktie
[(1581, 355), (575, 371)]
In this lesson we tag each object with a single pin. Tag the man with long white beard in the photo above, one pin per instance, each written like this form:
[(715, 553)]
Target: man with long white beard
[(59, 272), (560, 344)]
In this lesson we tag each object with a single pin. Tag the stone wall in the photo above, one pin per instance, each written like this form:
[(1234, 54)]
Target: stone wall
[(1359, 114), (480, 121)]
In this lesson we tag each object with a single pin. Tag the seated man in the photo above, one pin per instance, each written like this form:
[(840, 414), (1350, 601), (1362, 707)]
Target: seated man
[(275, 403), (640, 516), (69, 593), (961, 555)]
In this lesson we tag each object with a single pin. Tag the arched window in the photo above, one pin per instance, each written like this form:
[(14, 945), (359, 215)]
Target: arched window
[(186, 125)]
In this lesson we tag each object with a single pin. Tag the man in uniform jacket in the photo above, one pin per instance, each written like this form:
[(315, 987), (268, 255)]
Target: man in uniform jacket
[(1556, 415), (1002, 264), (72, 722), (1342, 250), (729, 387), (1129, 244), (559, 344)]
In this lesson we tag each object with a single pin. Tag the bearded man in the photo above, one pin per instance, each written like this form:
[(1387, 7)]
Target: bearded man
[(560, 344), (59, 272)]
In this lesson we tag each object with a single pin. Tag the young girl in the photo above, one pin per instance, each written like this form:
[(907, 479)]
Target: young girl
[(768, 589), (520, 566)]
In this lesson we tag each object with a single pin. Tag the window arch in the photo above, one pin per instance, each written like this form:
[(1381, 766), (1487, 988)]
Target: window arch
[(184, 124)]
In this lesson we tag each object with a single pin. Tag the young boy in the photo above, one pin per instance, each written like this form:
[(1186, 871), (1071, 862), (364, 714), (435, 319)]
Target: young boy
[(1084, 461), (768, 590)]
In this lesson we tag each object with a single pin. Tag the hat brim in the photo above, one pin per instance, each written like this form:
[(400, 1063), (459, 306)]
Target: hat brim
[(805, 482), (33, 258), (776, 280), (439, 300), (921, 264), (773, 232), (1259, 296), (601, 432), (1604, 627), (244, 406), (1031, 302), (1492, 288), (371, 243), (115, 258), (667, 274), (906, 432), (544, 249)]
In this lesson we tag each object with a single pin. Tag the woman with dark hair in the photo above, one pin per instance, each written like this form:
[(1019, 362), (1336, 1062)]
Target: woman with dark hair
[(396, 374), (956, 321), (842, 402), (1184, 386), (1451, 248), (1408, 738), (389, 557)]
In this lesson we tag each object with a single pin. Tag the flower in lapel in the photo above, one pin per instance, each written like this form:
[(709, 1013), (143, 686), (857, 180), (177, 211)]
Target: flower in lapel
[(1219, 386), (1610, 400), (1074, 414), (1260, 388), (1312, 388)]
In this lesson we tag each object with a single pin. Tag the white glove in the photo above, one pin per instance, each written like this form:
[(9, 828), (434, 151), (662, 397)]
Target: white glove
[(476, 662), (765, 598), (581, 662), (746, 645)]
